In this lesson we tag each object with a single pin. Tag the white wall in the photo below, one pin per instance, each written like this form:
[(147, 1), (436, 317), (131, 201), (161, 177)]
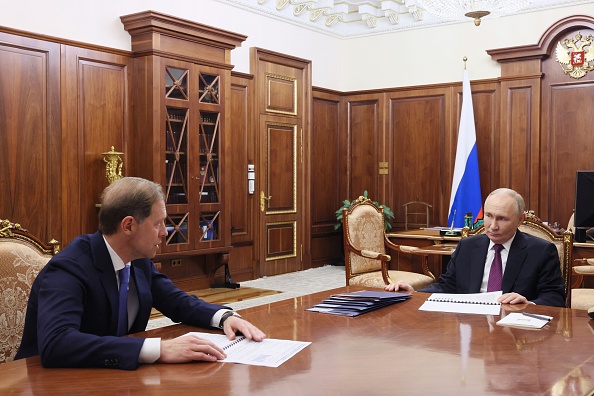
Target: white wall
[(435, 55), (414, 57)]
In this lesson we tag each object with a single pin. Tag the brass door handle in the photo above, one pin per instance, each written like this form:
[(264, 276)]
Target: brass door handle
[(262, 199)]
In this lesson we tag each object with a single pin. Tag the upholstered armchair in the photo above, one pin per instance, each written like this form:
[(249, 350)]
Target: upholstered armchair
[(564, 244), (582, 298), (22, 256), (365, 243)]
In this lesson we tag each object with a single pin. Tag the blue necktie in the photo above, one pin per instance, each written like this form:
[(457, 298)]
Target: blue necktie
[(123, 301), (496, 273)]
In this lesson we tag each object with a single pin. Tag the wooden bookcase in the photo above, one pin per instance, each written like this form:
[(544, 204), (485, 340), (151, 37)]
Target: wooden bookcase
[(182, 78)]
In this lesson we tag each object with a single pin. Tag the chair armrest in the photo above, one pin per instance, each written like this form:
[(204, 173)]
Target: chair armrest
[(583, 266), (408, 249), (587, 270), (375, 255)]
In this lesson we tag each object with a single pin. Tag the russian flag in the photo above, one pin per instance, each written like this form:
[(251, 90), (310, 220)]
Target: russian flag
[(466, 187)]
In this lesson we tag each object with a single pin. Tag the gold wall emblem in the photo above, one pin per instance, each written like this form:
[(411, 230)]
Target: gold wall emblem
[(575, 54)]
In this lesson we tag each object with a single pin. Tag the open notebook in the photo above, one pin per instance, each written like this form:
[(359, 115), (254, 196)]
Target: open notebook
[(472, 303)]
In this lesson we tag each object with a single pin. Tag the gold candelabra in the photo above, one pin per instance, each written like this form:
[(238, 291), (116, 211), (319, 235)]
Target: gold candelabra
[(113, 165)]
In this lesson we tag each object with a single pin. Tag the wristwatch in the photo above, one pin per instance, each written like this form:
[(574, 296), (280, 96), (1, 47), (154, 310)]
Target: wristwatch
[(226, 315)]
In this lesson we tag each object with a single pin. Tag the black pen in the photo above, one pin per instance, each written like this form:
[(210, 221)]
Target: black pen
[(548, 319)]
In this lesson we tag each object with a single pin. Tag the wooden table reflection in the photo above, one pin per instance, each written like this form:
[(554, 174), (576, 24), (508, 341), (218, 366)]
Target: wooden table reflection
[(394, 350)]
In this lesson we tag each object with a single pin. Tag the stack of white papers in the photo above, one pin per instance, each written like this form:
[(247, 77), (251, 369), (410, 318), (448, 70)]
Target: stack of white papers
[(472, 303), (268, 352)]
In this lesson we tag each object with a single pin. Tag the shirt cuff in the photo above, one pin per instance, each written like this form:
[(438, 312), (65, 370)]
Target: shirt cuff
[(216, 318), (150, 351)]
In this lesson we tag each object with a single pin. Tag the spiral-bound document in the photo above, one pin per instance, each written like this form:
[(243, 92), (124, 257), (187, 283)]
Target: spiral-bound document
[(268, 352), (472, 303)]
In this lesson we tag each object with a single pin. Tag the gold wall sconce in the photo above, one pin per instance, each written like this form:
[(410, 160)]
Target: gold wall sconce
[(113, 165)]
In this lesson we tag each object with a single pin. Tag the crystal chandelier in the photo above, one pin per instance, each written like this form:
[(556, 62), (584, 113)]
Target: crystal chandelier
[(475, 9)]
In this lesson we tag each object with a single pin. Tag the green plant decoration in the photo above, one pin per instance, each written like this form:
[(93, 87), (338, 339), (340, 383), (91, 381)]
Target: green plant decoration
[(388, 214)]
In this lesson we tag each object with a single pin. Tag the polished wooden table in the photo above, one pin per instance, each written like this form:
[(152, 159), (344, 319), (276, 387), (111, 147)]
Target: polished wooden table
[(433, 247), (394, 350), (423, 235)]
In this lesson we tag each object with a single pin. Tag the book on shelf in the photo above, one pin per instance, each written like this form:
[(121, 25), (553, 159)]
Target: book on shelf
[(269, 352), (471, 303), (357, 303)]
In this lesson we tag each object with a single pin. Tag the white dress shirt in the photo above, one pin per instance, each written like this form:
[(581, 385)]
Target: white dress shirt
[(489, 261)]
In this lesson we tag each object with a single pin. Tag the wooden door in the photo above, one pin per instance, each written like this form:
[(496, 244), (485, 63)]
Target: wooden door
[(283, 104), (279, 199)]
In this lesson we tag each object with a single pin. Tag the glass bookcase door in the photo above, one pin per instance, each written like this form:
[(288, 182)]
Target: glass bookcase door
[(209, 226), (208, 91), (176, 156), (177, 229), (209, 156), (176, 83)]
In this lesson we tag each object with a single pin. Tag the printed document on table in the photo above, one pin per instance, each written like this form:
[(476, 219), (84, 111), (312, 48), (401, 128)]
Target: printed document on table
[(268, 352), (473, 303)]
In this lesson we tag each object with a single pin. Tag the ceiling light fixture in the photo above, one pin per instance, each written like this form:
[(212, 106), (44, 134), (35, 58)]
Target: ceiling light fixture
[(475, 9)]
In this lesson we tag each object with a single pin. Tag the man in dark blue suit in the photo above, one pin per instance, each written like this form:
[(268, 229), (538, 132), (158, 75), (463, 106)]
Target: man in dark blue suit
[(72, 313), (530, 265)]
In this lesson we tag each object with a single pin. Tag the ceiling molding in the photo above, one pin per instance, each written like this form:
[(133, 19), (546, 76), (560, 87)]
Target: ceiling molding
[(359, 18)]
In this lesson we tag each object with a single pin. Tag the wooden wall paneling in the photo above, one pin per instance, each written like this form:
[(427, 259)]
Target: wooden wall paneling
[(95, 114), (566, 131), (569, 148), (419, 142), (325, 194), (519, 138), (364, 134), (30, 146), (531, 77), (242, 145), (144, 142)]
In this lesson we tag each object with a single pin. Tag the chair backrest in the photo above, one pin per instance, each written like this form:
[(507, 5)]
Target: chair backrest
[(571, 222), (564, 243), (363, 224), (22, 256), (416, 214)]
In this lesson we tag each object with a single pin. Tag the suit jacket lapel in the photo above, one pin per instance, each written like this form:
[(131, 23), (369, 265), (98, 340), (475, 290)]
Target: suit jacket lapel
[(515, 261), (478, 252), (107, 277)]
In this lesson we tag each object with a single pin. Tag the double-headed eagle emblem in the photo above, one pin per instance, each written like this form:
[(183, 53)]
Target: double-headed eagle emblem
[(576, 54)]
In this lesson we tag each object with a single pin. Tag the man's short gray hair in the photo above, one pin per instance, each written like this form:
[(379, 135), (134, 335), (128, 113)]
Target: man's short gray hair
[(128, 196), (511, 193)]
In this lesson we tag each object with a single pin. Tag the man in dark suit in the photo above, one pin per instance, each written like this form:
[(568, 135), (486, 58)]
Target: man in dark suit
[(72, 313), (530, 266)]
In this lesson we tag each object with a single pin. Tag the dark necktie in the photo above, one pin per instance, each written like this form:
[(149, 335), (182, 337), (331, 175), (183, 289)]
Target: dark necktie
[(496, 272), (123, 301)]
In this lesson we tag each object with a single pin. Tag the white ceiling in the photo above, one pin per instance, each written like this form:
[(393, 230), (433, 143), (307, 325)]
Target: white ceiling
[(357, 18)]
